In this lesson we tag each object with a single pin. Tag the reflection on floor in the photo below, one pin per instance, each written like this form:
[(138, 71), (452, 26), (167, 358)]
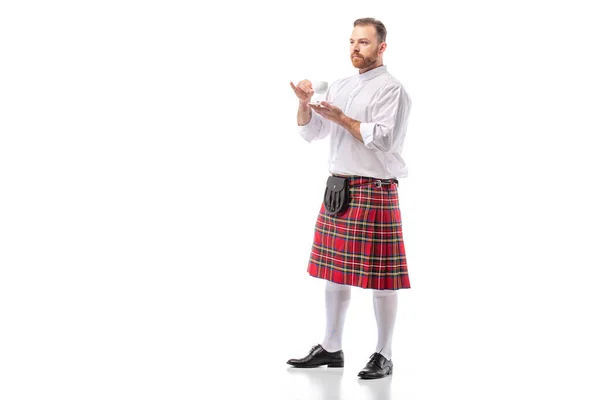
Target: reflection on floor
[(334, 384)]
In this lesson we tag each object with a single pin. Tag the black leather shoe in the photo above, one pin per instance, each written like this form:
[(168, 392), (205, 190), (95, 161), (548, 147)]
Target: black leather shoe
[(377, 367), (319, 356)]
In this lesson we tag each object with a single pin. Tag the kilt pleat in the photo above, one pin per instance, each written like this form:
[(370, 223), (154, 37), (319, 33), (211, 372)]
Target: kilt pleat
[(364, 246)]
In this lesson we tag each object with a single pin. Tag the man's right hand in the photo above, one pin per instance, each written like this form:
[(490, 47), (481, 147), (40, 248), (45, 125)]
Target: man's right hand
[(304, 91)]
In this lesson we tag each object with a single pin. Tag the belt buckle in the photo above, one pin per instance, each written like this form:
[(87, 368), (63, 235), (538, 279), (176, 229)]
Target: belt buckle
[(377, 183)]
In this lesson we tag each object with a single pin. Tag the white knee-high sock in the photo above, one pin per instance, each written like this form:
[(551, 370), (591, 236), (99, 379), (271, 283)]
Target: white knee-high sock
[(385, 304), (337, 300)]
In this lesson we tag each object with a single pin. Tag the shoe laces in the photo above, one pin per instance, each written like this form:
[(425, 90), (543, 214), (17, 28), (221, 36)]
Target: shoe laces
[(314, 348), (375, 357)]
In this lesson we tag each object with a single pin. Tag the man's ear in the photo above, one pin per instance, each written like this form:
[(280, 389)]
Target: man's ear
[(382, 47)]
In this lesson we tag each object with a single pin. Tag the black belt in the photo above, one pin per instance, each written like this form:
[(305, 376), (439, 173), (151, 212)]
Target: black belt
[(378, 182)]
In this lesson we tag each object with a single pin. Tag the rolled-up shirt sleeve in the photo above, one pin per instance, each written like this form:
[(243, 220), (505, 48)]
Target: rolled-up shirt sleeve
[(387, 127), (315, 129)]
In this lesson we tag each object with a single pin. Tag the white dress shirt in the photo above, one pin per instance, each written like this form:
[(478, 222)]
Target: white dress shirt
[(380, 103)]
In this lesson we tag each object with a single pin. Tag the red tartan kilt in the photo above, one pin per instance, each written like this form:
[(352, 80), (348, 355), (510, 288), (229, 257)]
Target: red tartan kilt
[(363, 246)]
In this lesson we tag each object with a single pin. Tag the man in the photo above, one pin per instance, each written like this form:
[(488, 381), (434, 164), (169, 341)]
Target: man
[(365, 116)]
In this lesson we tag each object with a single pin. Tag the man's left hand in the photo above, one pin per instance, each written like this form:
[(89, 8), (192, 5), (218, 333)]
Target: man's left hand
[(329, 111)]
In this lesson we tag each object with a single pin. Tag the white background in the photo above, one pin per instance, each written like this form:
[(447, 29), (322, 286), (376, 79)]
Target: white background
[(157, 205)]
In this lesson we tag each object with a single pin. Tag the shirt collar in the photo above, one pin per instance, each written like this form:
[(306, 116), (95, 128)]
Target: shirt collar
[(372, 73)]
